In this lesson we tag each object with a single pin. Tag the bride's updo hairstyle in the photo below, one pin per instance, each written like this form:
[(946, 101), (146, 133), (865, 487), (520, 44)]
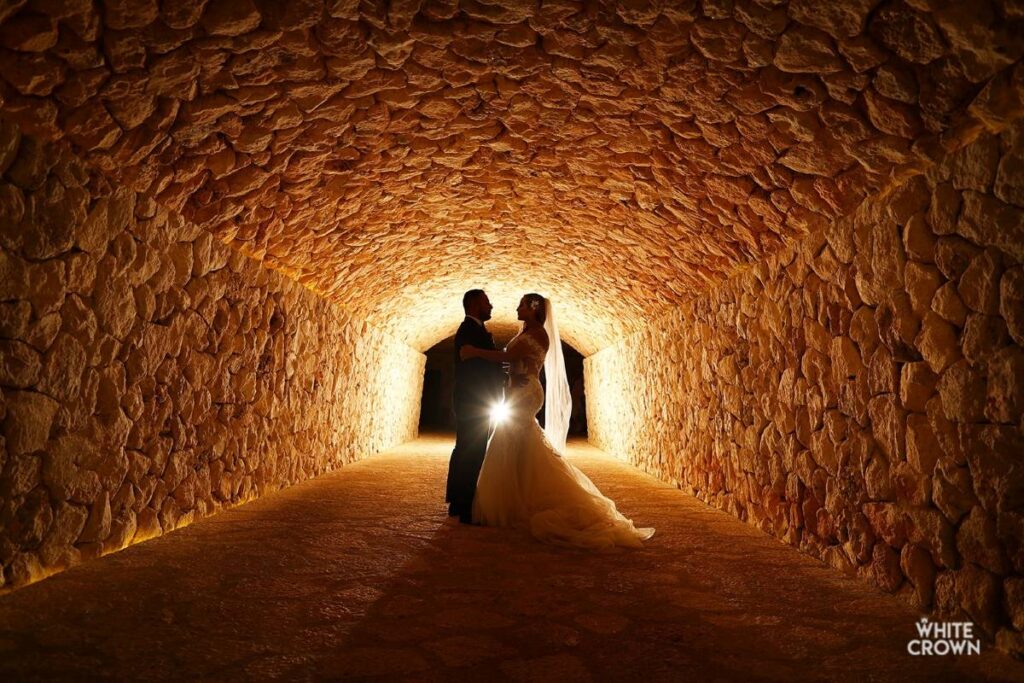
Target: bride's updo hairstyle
[(536, 304)]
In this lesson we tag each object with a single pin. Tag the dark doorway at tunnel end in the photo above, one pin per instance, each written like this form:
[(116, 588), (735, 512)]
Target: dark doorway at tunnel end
[(436, 414)]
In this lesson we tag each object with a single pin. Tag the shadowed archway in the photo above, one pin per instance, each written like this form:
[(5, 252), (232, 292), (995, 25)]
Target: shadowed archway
[(439, 378)]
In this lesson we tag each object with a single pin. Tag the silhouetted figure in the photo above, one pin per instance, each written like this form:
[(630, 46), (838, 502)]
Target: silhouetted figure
[(478, 386), (525, 482)]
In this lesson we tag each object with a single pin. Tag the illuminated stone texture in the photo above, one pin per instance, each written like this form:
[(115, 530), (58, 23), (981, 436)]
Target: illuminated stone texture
[(367, 581), (615, 155), (151, 376), (859, 396), (626, 158)]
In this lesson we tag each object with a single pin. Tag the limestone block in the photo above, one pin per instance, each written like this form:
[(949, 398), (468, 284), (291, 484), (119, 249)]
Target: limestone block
[(30, 167), (982, 47), (877, 479), (917, 566), (147, 525), (68, 521), (14, 319), (923, 448), (32, 520), (991, 453), (15, 271), (911, 486), (1008, 185), (230, 17), (47, 286), (81, 273), (1011, 302), (803, 49), (921, 282), (910, 34), (917, 386), (122, 531), (107, 218), (948, 304), (977, 542), (29, 416), (918, 239), (50, 210), (846, 359), (885, 567), (938, 342), (97, 526), (20, 364), (883, 373), (952, 490), (887, 256), (115, 306), (23, 568), (63, 368), (930, 529), (970, 590), (896, 82), (953, 255), (974, 167), (20, 476), (888, 522), (1005, 400), (944, 209), (962, 391), (864, 330), (979, 284), (989, 222), (899, 327), (982, 336)]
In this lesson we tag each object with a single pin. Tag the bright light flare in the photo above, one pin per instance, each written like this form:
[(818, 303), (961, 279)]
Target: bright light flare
[(499, 412)]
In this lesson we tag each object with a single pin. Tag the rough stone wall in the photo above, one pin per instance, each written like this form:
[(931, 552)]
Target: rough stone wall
[(150, 375), (860, 395), (365, 146)]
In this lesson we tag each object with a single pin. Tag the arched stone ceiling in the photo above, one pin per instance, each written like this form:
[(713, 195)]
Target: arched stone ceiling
[(615, 155)]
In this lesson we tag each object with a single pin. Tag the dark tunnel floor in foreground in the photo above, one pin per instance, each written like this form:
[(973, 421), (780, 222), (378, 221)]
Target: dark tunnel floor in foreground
[(359, 574)]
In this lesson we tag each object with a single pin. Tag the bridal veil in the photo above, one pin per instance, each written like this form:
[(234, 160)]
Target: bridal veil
[(557, 399)]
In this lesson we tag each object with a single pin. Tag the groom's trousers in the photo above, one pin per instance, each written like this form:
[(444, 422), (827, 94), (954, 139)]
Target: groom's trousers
[(471, 435)]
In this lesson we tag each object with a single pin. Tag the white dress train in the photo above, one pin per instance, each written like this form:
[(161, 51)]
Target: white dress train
[(525, 483)]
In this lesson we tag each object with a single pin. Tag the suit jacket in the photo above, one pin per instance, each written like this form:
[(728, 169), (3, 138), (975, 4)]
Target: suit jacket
[(478, 383)]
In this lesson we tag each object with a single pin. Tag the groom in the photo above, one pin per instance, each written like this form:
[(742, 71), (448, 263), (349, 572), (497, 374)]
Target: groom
[(478, 385)]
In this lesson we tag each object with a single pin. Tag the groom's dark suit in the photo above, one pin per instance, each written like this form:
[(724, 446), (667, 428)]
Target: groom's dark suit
[(478, 385)]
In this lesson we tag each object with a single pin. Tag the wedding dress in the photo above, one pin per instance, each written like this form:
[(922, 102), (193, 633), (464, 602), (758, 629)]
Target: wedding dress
[(525, 483)]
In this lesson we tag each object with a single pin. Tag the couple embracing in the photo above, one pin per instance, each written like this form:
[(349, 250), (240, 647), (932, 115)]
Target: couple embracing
[(510, 473)]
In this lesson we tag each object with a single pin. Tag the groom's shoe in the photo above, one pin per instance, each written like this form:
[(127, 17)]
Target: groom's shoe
[(466, 518)]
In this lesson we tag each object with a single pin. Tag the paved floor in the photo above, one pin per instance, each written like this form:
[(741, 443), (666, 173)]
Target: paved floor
[(359, 574)]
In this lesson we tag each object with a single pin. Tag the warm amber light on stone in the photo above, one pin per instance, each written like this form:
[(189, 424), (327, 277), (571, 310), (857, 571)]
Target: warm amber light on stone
[(615, 155), (788, 236)]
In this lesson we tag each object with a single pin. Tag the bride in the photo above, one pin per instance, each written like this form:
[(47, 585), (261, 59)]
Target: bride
[(524, 481)]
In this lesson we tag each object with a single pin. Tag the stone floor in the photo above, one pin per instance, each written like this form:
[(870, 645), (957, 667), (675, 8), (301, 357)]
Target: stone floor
[(359, 574)]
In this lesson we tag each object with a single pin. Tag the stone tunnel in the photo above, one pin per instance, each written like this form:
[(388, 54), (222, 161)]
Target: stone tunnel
[(787, 237)]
